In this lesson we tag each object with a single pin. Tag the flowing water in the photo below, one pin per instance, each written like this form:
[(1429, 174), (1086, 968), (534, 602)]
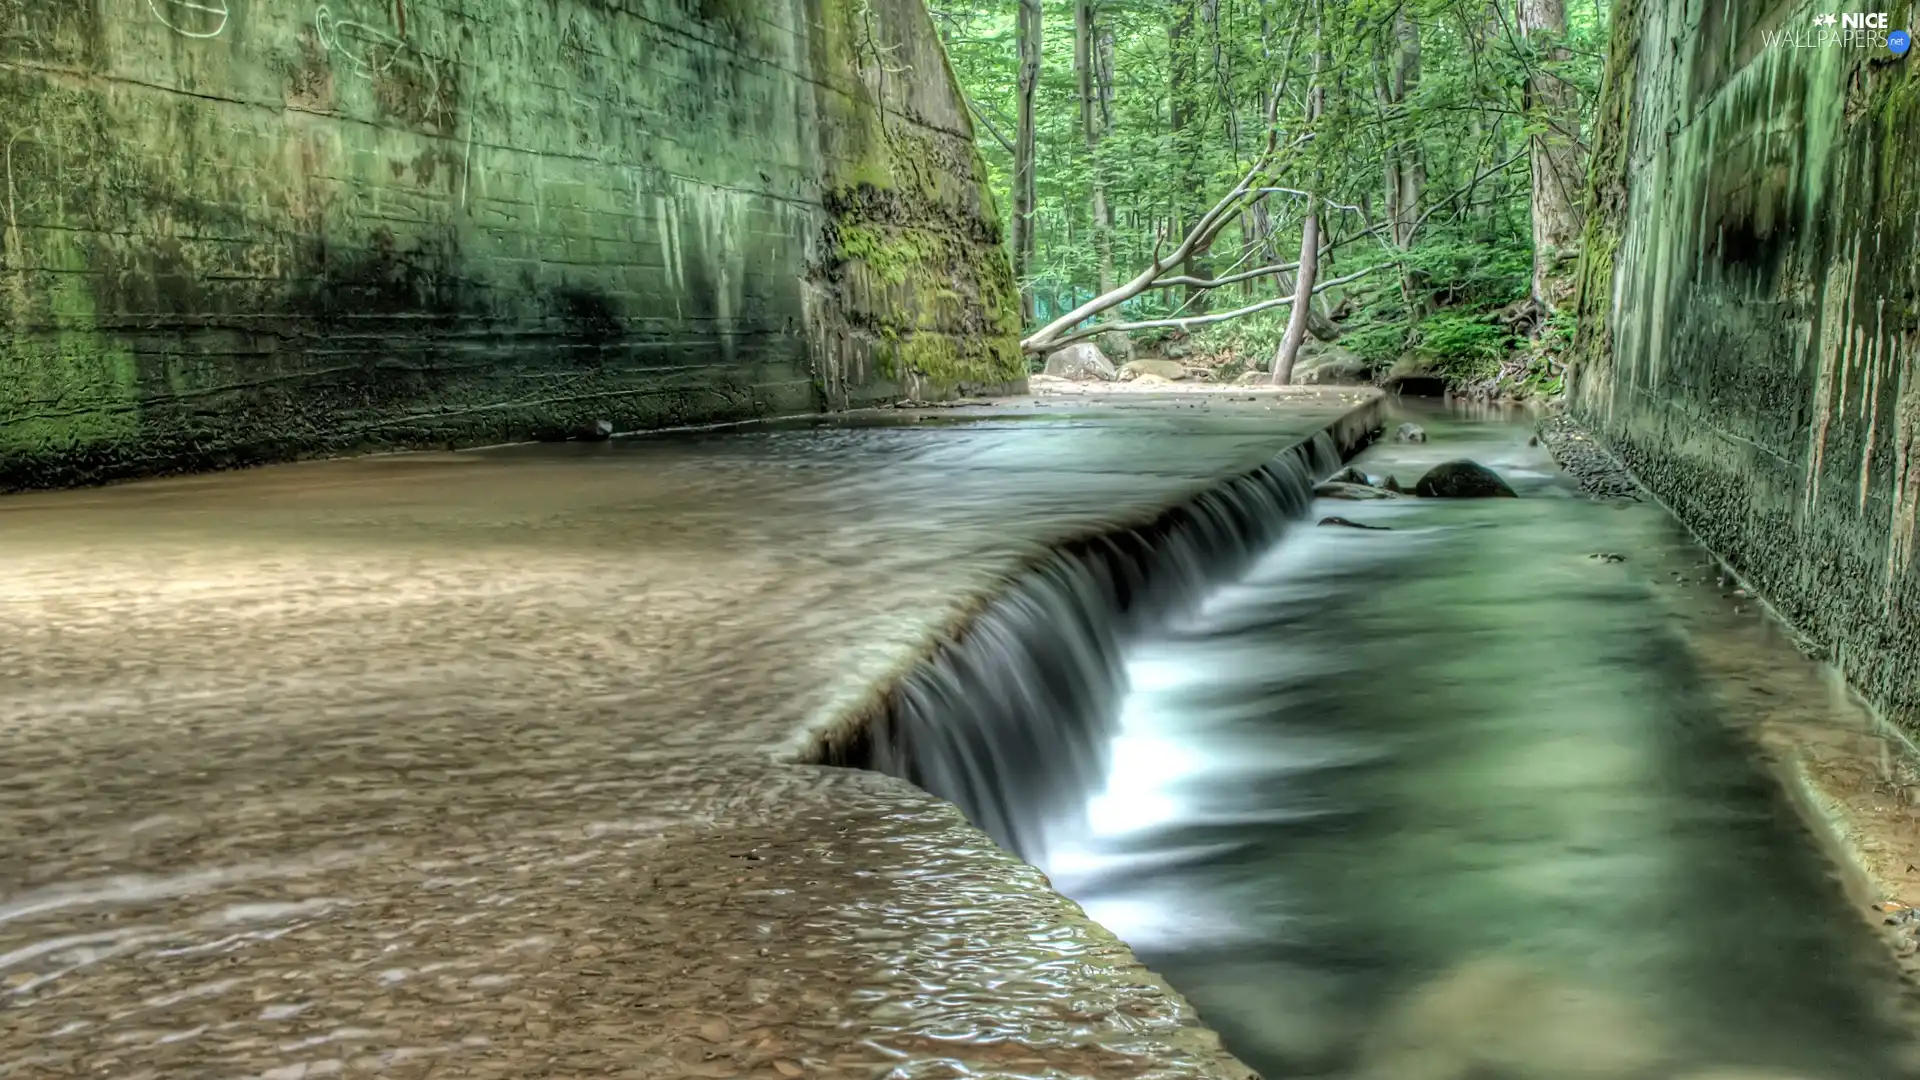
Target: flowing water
[(1013, 721), (479, 765), (482, 764), (1449, 799)]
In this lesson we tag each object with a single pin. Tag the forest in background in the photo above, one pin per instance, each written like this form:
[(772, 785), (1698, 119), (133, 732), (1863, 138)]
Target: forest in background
[(1175, 174)]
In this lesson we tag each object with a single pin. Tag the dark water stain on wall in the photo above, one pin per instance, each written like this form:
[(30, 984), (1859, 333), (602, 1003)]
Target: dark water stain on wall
[(249, 236), (1751, 327)]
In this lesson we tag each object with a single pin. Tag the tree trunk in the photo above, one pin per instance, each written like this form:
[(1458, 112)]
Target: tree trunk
[(1397, 77), (1027, 45), (1183, 116), (1555, 153), (1411, 178), (1222, 76), (1289, 351), (1087, 47), (1103, 91)]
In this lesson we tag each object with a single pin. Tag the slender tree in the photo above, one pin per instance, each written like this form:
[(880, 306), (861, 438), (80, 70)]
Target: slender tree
[(1184, 109), (1289, 350), (1087, 50), (1406, 170), (1553, 119), (1028, 44)]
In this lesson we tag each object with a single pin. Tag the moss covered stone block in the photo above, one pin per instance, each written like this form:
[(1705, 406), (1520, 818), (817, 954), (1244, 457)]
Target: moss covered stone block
[(311, 230)]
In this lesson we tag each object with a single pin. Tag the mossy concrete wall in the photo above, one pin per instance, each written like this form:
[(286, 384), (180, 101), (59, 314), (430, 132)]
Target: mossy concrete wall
[(236, 231), (1750, 339)]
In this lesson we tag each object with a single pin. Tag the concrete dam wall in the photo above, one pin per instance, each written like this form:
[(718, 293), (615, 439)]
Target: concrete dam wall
[(1751, 308), (238, 231)]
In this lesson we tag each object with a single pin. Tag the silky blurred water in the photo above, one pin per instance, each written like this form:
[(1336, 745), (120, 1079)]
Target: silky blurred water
[(484, 765), (1453, 800), (481, 765)]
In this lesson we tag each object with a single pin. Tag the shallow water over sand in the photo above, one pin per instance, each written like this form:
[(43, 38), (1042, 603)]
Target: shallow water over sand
[(479, 764), (482, 763), (1460, 795)]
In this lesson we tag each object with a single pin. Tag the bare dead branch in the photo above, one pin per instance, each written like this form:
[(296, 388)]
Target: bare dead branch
[(1202, 233), (1231, 279), (1200, 320), (987, 122), (1470, 185), (1044, 338)]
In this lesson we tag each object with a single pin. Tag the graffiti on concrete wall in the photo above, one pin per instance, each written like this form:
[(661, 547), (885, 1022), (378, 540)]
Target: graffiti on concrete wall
[(12, 253), (192, 18), (366, 49)]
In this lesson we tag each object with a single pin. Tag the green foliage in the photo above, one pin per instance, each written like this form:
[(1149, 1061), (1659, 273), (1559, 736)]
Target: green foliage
[(1256, 335), (1464, 347), (1465, 119), (1548, 357), (1457, 271), (1556, 337), (1378, 342)]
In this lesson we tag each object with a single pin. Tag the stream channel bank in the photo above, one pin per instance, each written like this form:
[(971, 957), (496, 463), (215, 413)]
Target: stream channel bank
[(489, 764), (494, 764), (1509, 789)]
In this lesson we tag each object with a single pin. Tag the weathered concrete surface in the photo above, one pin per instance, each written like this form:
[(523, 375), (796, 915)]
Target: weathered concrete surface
[(1751, 303), (481, 762), (233, 231)]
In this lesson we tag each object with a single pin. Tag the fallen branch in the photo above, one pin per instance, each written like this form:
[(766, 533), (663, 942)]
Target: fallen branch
[(1047, 337), (1203, 232), (987, 122), (1247, 193), (1201, 320), (1230, 279)]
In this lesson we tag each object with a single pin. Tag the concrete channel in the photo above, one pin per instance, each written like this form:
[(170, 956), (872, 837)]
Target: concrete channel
[(491, 763)]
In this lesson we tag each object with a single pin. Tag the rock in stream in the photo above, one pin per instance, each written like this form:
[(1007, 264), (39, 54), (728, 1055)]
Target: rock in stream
[(1462, 480)]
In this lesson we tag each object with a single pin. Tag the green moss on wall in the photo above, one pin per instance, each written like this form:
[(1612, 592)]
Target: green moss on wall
[(67, 389), (1749, 341), (320, 279), (913, 246), (1607, 193), (893, 255), (942, 360), (71, 394)]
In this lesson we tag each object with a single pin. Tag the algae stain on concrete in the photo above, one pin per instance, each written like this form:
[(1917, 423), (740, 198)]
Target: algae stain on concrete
[(486, 223), (72, 389), (913, 251), (1749, 311)]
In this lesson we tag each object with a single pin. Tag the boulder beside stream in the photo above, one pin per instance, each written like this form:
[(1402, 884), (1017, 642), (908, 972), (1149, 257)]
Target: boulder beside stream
[(1082, 362)]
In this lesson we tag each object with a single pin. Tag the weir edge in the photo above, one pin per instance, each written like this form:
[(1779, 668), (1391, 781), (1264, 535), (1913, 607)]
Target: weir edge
[(845, 740), (832, 739)]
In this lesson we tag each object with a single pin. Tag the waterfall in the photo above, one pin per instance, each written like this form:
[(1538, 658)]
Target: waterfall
[(1011, 722)]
